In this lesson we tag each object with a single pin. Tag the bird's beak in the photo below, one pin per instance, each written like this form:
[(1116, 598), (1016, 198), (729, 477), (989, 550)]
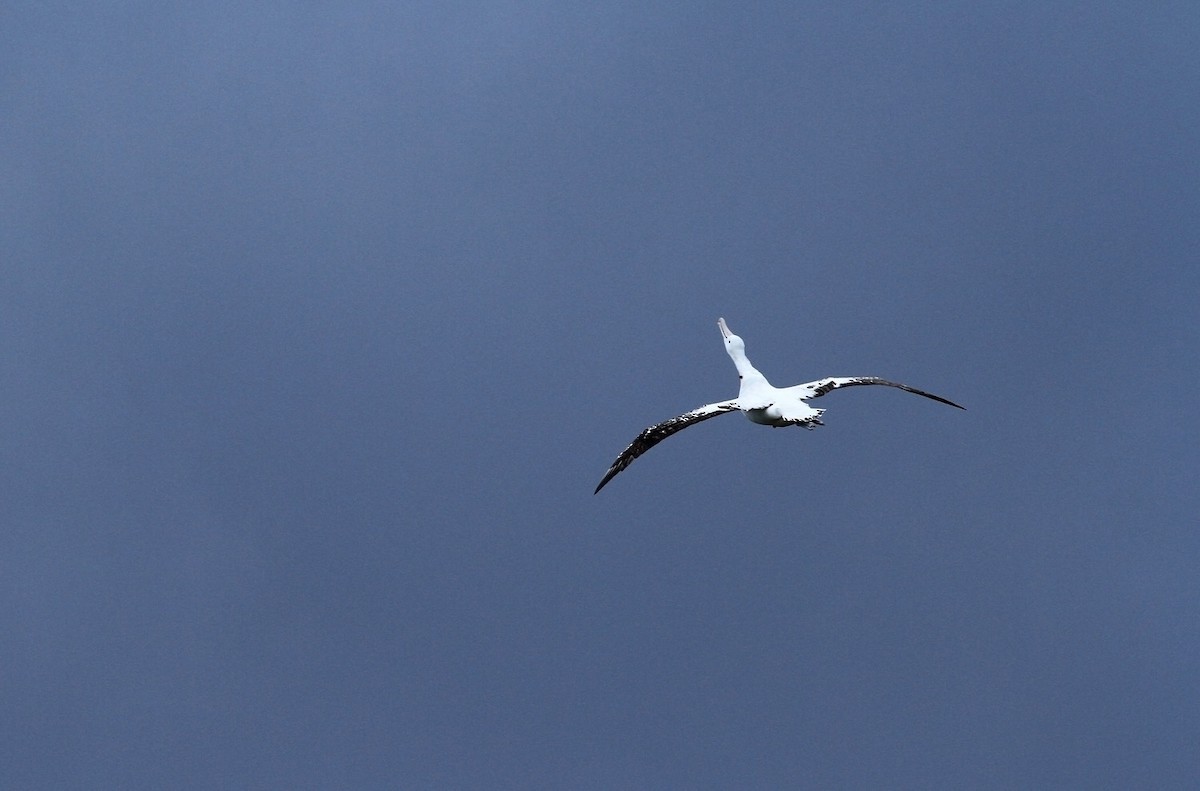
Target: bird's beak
[(724, 329)]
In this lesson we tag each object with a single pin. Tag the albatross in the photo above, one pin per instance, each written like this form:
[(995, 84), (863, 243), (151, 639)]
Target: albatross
[(758, 399)]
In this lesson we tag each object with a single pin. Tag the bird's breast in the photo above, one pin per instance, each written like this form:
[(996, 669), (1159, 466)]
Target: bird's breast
[(766, 416)]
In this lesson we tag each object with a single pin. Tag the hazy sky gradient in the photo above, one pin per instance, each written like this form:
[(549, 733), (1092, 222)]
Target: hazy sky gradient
[(320, 322)]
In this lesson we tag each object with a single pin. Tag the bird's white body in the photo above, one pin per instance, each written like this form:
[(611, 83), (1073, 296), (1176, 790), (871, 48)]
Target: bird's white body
[(774, 416), (758, 399)]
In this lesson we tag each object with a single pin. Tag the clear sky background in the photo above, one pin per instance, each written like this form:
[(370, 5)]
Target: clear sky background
[(319, 323)]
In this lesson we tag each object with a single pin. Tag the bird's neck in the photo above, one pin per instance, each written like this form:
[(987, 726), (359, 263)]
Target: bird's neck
[(749, 377)]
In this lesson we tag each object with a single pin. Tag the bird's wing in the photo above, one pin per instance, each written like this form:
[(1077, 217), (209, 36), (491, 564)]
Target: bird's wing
[(822, 386), (660, 431)]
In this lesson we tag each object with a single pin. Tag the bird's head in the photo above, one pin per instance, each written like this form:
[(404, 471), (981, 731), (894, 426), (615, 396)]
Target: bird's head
[(733, 344)]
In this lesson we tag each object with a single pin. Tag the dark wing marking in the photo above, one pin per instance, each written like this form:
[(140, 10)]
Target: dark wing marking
[(660, 431), (822, 386)]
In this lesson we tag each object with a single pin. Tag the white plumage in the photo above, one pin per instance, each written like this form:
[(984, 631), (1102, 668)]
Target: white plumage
[(762, 402)]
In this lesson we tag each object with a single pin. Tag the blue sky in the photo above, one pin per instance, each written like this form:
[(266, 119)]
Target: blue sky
[(319, 324)]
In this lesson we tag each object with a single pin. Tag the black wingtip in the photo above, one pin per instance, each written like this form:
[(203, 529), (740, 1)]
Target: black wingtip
[(946, 401)]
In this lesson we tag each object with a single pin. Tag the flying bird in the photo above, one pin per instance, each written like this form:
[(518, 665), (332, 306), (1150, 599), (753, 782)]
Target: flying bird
[(758, 399)]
